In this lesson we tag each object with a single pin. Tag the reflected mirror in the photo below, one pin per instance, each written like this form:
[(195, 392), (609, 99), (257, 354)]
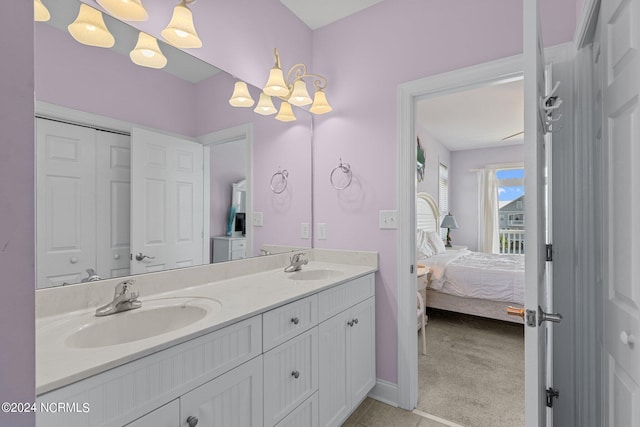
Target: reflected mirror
[(141, 169)]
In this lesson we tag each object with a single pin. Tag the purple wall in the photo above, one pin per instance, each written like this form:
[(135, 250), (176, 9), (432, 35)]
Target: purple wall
[(17, 265), (435, 153), (107, 83), (365, 57), (464, 187)]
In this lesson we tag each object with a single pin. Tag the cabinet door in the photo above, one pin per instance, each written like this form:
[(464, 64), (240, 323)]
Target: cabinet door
[(290, 375), (233, 399), (165, 416), (335, 403), (362, 349)]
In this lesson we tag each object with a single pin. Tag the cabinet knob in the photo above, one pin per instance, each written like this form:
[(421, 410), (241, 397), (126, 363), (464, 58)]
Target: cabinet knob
[(355, 320), (352, 322), (295, 374), (295, 320), (192, 421), (73, 260)]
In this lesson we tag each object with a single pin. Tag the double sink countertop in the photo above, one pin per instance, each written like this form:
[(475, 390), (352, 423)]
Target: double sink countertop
[(69, 347)]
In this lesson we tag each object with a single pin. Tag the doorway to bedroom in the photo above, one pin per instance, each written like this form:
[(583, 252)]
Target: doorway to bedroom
[(471, 372)]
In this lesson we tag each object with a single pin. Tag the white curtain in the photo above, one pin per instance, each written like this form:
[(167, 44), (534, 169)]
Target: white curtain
[(488, 216)]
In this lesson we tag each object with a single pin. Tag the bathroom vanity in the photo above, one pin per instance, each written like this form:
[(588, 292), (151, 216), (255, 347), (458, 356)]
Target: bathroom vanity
[(263, 348)]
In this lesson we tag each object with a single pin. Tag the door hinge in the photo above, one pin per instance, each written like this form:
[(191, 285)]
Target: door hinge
[(411, 269), (552, 393), (549, 252)]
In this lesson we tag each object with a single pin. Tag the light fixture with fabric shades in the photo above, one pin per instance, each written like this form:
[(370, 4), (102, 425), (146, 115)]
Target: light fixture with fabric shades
[(449, 222), (286, 113), (265, 105), (127, 10), (181, 32), (241, 96), (40, 11), (292, 90), (147, 53), (89, 28)]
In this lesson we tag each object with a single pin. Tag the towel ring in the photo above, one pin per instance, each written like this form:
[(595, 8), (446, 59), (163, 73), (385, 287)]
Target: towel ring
[(284, 175), (345, 168)]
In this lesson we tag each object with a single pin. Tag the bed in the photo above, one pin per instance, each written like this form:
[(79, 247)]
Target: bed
[(463, 281)]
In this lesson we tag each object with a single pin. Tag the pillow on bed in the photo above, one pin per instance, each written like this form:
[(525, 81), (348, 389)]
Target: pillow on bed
[(436, 242), (423, 247)]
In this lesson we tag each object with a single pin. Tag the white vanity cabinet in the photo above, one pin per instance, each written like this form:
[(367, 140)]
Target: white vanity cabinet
[(347, 349), (228, 248), (165, 416)]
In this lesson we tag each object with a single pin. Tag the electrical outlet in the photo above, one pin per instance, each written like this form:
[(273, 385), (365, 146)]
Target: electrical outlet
[(322, 231), (257, 219), (304, 230), (388, 219)]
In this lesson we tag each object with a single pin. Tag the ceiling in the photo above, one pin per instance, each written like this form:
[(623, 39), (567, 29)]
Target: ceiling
[(318, 13), (475, 118)]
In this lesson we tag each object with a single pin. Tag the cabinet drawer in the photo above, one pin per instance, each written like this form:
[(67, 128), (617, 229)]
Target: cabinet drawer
[(238, 245), (284, 323), (238, 255), (305, 415), (290, 375), (341, 297)]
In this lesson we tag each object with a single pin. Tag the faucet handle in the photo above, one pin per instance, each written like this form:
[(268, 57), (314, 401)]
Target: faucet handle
[(123, 287)]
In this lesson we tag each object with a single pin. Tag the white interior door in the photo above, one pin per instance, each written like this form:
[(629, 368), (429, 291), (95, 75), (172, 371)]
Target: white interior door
[(535, 286), (620, 41), (166, 202), (113, 197), (65, 199)]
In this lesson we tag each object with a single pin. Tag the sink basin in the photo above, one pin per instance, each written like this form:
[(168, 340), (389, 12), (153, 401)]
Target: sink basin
[(315, 275), (155, 317)]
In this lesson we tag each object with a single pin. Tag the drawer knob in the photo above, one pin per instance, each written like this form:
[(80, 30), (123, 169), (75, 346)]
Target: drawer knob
[(627, 339), (295, 374), (192, 421), (295, 320), (352, 322)]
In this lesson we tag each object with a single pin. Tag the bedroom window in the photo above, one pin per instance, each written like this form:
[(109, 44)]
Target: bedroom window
[(511, 210), (443, 194)]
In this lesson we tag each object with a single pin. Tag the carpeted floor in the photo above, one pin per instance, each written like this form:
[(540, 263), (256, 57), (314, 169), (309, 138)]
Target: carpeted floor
[(473, 373)]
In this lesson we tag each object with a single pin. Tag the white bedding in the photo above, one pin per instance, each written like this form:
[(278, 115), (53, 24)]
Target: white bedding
[(478, 275)]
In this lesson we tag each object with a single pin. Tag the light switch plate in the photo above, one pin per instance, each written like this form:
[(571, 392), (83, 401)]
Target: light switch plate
[(304, 230), (322, 231), (388, 219), (257, 219)]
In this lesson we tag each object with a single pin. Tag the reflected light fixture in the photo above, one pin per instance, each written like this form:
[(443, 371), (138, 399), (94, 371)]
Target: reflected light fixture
[(265, 105), (241, 96), (40, 11), (181, 32), (147, 53), (89, 28), (292, 91), (127, 10)]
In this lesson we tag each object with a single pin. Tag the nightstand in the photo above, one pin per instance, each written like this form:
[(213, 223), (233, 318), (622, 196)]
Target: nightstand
[(457, 248)]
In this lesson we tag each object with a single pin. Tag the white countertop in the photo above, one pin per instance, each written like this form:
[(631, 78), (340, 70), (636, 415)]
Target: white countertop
[(241, 297)]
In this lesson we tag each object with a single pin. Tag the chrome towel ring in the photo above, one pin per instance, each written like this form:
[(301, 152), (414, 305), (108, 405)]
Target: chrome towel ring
[(279, 181), (345, 168)]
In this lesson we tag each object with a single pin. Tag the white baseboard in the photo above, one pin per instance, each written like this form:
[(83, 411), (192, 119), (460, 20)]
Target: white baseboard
[(385, 392)]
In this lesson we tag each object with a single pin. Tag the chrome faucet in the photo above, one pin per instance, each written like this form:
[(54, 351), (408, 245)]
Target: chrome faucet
[(297, 261), (93, 276), (124, 298)]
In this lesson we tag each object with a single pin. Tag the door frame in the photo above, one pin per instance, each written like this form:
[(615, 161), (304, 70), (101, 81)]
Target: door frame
[(493, 72)]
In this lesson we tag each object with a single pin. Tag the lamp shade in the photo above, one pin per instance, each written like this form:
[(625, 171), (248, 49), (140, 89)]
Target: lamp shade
[(299, 95), (40, 11), (286, 113), (320, 104), (89, 28), (127, 10), (265, 105), (181, 32), (276, 85), (241, 96), (147, 53), (449, 221)]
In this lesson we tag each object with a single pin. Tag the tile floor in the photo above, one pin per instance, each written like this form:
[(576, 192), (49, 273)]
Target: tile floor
[(372, 413)]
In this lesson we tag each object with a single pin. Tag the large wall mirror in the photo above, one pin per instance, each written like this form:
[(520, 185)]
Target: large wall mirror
[(142, 169)]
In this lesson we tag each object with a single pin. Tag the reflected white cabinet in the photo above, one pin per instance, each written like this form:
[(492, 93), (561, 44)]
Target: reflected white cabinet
[(347, 353), (228, 248)]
